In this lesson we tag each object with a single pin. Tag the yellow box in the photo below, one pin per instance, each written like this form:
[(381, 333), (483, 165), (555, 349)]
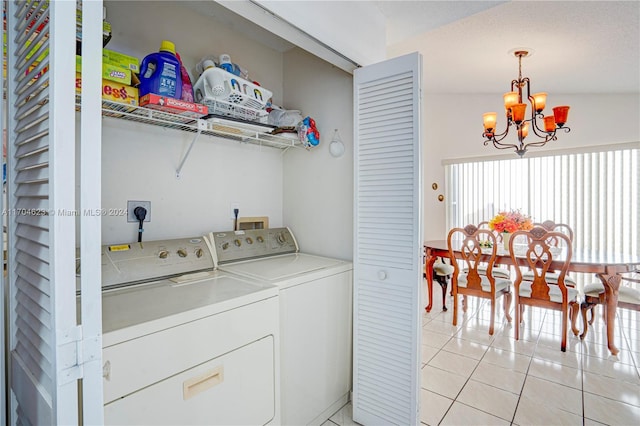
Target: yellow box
[(110, 71), (125, 61), (113, 91)]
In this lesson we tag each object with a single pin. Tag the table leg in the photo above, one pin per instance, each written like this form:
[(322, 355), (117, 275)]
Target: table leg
[(429, 275), (611, 286)]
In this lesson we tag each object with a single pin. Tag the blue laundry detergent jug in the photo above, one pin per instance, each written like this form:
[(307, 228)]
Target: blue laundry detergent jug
[(160, 72)]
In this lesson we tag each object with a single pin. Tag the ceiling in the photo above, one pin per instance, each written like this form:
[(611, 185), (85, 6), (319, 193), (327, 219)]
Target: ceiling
[(578, 46)]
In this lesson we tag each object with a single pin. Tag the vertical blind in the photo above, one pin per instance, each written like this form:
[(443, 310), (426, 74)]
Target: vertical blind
[(594, 193)]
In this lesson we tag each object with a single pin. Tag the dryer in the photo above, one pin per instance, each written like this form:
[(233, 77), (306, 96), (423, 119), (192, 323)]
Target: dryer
[(183, 343), (315, 317)]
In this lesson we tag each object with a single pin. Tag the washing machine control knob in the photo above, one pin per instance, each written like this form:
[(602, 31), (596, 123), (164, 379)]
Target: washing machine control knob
[(260, 239), (163, 254), (249, 240), (225, 246), (182, 253), (237, 242), (282, 238), (199, 252)]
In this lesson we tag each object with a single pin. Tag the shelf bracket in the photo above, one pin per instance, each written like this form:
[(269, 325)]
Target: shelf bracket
[(202, 125)]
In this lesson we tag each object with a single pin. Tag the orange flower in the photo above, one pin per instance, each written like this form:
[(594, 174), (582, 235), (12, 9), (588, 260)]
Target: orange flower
[(510, 222)]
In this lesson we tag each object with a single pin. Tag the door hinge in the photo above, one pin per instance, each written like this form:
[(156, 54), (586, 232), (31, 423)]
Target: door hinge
[(74, 351)]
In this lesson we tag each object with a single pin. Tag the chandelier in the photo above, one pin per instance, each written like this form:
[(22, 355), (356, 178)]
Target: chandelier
[(544, 127)]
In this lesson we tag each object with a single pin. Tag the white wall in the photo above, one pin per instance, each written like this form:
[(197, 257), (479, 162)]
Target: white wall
[(140, 26), (310, 191), (318, 188), (140, 161), (453, 129), (356, 29)]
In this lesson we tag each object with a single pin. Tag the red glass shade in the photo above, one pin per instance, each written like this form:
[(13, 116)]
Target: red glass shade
[(560, 114), (517, 112), (549, 123)]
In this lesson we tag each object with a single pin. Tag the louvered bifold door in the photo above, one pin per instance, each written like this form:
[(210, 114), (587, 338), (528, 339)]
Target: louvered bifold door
[(387, 242), (43, 331)]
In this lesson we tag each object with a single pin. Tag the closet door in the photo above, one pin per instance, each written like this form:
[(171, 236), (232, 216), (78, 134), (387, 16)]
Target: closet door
[(387, 242), (47, 348)]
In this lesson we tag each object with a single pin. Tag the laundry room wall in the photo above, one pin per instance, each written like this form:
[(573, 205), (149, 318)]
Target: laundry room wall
[(318, 188), (140, 161)]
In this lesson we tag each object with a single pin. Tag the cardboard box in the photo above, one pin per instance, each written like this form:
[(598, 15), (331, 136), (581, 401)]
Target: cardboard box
[(174, 106), (125, 61), (111, 72), (113, 91)]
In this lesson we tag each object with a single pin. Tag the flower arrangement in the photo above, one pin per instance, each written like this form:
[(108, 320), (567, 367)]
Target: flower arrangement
[(510, 222)]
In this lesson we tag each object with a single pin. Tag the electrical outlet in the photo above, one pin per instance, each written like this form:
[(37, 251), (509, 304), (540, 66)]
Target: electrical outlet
[(131, 206), (233, 207)]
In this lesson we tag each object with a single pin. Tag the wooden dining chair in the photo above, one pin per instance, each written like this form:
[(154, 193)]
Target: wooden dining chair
[(543, 248), (498, 271), (442, 273), (594, 294), (550, 225), (469, 281)]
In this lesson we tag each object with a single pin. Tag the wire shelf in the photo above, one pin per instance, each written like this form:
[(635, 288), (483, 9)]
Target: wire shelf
[(252, 133)]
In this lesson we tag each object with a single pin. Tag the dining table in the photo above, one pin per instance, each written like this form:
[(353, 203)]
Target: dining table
[(606, 265)]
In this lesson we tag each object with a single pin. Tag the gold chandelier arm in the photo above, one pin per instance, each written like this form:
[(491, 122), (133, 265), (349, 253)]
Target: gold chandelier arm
[(534, 126)]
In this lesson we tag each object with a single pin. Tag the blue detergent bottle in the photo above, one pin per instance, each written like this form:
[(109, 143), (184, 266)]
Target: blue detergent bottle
[(160, 72)]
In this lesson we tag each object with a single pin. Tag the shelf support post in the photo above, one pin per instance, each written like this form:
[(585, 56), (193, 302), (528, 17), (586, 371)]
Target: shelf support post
[(202, 125)]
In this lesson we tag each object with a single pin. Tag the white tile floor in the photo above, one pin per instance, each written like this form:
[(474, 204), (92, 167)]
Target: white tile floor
[(471, 378)]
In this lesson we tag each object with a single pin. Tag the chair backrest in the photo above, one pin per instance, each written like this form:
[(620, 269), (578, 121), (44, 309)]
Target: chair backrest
[(546, 252), (550, 225), (476, 247)]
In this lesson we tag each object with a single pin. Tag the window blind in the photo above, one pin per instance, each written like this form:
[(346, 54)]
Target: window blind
[(595, 193)]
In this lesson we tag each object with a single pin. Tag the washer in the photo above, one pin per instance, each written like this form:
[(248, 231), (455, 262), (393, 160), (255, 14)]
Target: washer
[(183, 343), (315, 317)]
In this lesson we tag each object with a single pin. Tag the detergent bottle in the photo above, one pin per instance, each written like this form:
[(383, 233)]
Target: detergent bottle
[(160, 72), (187, 87)]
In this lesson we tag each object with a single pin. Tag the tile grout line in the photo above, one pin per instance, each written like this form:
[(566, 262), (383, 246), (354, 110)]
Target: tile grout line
[(474, 369), (526, 376)]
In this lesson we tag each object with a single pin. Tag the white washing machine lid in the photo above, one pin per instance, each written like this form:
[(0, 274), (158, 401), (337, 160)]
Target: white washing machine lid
[(288, 269), (143, 309)]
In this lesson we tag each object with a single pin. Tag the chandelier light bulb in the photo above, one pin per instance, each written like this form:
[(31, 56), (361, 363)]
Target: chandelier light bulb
[(539, 101), (489, 119)]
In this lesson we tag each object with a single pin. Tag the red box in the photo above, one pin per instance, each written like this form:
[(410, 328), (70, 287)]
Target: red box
[(174, 106)]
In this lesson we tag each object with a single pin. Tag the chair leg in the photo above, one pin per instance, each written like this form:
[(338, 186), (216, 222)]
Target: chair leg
[(593, 314), (565, 320), (574, 316), (507, 306), (585, 307), (493, 316), (521, 312), (518, 317), (443, 284), (455, 307)]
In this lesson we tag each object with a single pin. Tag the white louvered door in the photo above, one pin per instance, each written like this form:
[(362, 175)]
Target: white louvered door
[(46, 344), (387, 242)]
